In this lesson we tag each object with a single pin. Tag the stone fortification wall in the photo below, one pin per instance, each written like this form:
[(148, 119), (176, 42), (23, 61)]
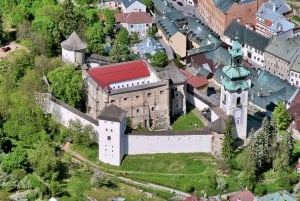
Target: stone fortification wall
[(64, 113)]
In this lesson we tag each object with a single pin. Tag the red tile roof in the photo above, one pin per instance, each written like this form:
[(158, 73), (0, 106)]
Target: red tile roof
[(104, 76), (133, 18), (245, 195), (195, 81), (192, 198)]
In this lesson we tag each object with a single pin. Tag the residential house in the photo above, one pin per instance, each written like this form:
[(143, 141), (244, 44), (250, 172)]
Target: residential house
[(148, 46), (134, 22), (253, 44), (282, 195), (244, 195), (219, 14), (270, 20), (280, 54), (170, 30), (129, 6), (162, 6)]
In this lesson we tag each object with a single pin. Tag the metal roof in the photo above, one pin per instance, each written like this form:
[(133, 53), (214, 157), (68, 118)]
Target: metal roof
[(128, 3), (246, 36), (296, 65), (284, 48), (166, 26), (149, 45)]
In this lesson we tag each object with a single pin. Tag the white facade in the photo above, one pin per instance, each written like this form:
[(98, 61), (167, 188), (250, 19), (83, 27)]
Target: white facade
[(140, 29), (295, 78), (111, 141), (200, 105), (236, 105), (140, 81), (73, 57), (250, 54), (137, 6)]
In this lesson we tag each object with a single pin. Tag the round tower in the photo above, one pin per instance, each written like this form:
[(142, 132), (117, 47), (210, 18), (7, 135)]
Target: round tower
[(234, 90), (73, 49)]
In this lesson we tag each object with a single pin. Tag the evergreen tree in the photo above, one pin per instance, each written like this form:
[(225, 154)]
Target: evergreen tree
[(227, 148)]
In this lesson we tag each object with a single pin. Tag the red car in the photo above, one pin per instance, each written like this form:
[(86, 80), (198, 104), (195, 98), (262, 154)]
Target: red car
[(5, 49)]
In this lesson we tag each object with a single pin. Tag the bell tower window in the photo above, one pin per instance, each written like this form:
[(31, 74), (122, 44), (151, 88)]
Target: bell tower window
[(224, 98), (238, 102)]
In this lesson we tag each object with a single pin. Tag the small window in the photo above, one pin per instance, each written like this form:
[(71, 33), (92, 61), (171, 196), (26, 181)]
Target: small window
[(137, 97), (137, 110), (152, 108), (238, 102), (112, 101), (149, 94), (108, 137), (125, 99), (161, 92), (106, 129), (111, 130)]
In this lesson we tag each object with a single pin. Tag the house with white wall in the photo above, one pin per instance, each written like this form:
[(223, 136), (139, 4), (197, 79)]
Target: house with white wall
[(129, 6), (253, 44), (135, 22), (295, 73)]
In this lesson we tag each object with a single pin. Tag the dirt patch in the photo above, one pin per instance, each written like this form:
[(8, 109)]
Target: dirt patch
[(13, 47)]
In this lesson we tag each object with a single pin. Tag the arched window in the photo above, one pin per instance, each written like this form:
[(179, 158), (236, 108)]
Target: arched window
[(224, 98), (238, 101)]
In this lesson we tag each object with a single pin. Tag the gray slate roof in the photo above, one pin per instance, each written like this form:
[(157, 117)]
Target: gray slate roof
[(166, 26), (73, 43), (246, 36), (112, 113), (128, 3), (284, 48), (163, 6)]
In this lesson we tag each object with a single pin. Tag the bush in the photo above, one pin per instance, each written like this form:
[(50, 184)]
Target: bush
[(260, 189), (189, 188)]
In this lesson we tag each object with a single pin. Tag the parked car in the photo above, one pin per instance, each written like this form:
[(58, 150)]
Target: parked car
[(6, 49)]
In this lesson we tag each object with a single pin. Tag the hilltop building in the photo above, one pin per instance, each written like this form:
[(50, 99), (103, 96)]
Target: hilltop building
[(136, 88), (73, 49)]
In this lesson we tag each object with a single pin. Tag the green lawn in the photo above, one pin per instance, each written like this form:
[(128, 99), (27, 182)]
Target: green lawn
[(187, 122)]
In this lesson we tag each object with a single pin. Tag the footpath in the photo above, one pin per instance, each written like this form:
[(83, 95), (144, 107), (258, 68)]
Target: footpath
[(124, 179)]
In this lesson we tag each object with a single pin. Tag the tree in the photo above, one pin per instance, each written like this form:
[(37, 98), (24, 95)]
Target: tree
[(122, 37), (44, 166), (227, 148), (149, 4), (119, 52), (110, 21), (95, 38), (281, 116), (83, 135), (99, 179), (160, 59), (67, 85), (18, 159), (69, 19)]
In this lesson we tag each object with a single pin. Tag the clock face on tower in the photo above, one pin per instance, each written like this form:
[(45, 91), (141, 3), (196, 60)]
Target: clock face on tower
[(238, 60)]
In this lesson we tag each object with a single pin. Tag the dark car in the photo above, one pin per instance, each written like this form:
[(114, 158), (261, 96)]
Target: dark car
[(6, 49)]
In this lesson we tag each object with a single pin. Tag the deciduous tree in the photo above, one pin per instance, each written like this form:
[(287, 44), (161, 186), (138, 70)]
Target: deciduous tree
[(281, 116), (160, 59)]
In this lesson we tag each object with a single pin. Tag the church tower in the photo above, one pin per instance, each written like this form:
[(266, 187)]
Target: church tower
[(234, 91)]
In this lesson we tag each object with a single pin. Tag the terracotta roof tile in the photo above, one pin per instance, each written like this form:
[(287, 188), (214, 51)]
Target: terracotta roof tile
[(133, 18)]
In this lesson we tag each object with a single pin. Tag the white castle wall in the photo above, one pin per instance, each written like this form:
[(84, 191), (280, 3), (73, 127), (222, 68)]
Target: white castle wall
[(118, 145), (148, 144)]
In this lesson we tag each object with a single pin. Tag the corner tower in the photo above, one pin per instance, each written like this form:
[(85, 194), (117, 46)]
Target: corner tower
[(234, 90)]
